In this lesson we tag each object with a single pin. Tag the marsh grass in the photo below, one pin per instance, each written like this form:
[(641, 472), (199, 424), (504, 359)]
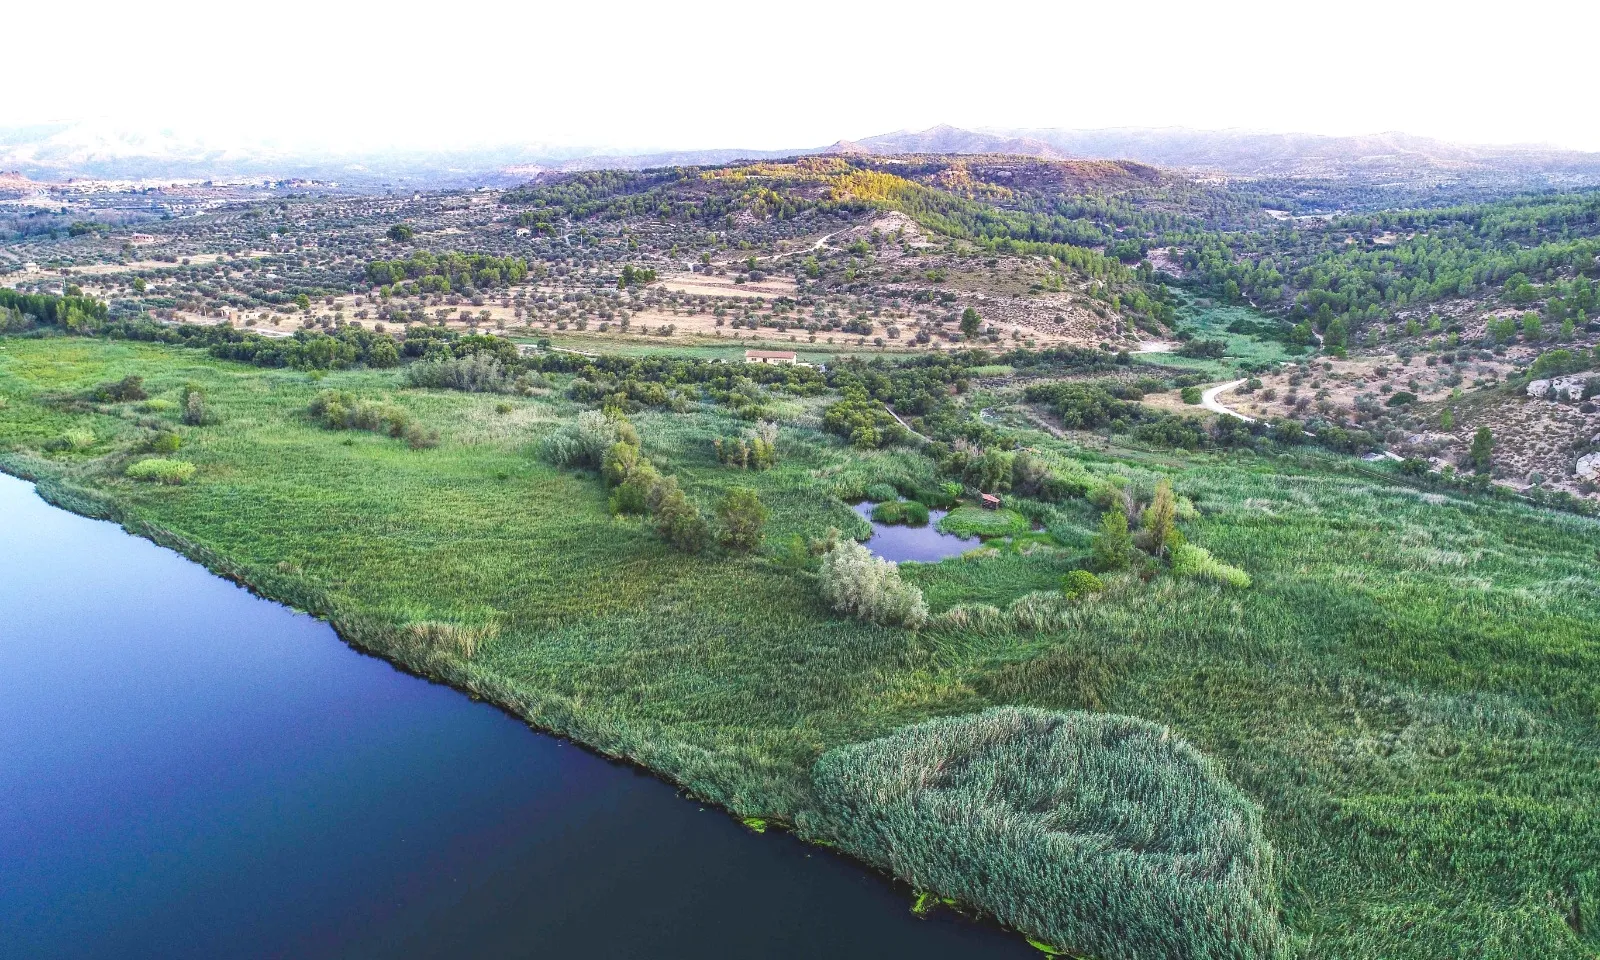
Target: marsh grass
[(1102, 834), (1407, 689)]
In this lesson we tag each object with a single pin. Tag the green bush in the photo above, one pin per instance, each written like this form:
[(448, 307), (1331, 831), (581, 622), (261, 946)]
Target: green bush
[(1190, 395), (1113, 545), (128, 388), (1079, 582), (741, 516), (341, 410), (678, 520), (868, 587), (164, 441), (78, 438), (195, 413), (1103, 835), (1197, 563), (161, 470), (473, 373)]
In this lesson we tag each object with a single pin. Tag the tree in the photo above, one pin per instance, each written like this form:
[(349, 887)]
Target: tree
[(400, 233), (856, 582), (194, 405), (678, 521), (741, 515), (1160, 521), (1113, 545), (969, 322), (1482, 455), (1532, 327), (303, 302)]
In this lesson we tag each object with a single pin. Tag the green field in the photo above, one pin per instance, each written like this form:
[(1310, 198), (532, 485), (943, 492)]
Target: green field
[(1209, 320), (1409, 690)]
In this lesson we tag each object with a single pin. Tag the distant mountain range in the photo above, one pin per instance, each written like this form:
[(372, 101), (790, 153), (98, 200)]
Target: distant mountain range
[(60, 151)]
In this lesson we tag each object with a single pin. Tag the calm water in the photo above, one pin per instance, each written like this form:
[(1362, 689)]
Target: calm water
[(927, 544), (190, 771)]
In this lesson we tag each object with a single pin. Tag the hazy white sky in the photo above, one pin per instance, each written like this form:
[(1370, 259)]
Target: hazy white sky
[(705, 73)]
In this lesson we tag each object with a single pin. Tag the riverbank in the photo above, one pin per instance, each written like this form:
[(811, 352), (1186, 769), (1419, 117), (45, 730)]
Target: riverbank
[(1339, 692)]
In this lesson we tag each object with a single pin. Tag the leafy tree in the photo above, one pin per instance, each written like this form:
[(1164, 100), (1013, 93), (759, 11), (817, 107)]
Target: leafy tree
[(1482, 455), (1113, 545), (1160, 521), (400, 232), (969, 323), (856, 582), (678, 520), (741, 515)]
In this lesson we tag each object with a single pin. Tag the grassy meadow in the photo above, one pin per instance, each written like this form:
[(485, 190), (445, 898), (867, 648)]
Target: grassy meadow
[(1409, 690)]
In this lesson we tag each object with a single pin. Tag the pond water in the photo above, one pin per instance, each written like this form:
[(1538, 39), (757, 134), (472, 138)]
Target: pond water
[(192, 771), (926, 544)]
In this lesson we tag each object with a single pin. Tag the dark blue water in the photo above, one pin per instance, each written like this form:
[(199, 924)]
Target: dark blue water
[(925, 544), (190, 771)]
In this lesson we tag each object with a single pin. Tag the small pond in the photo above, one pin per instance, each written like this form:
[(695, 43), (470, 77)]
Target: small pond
[(924, 544)]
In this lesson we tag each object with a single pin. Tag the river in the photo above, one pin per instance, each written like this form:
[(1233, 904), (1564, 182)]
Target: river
[(188, 770)]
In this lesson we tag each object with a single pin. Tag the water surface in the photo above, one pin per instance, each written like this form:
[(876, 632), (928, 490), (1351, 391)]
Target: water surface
[(924, 544), (191, 771)]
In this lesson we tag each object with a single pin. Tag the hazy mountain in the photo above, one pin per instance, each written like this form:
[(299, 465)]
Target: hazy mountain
[(947, 139), (1252, 153), (59, 151)]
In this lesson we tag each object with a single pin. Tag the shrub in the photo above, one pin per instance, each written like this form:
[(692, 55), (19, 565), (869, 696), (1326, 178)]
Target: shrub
[(164, 441), (856, 582), (341, 410), (678, 520), (474, 373), (634, 493), (1197, 563), (195, 413), (1190, 395), (419, 438), (757, 450), (741, 515), (1104, 835), (1082, 406), (1079, 582), (161, 470), (562, 449), (128, 388)]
